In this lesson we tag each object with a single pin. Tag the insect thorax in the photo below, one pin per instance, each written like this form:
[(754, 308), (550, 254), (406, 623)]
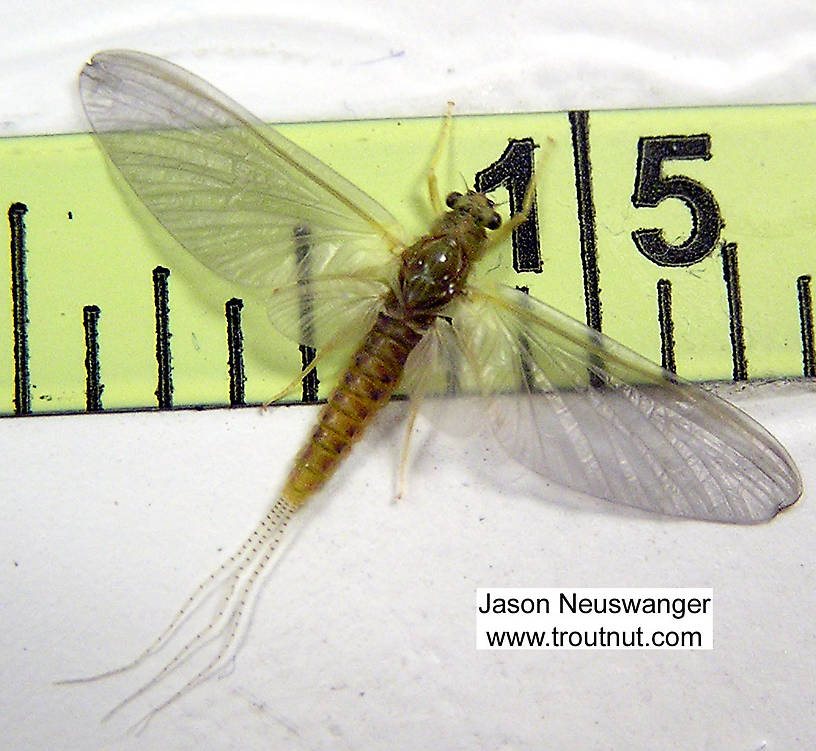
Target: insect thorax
[(435, 268)]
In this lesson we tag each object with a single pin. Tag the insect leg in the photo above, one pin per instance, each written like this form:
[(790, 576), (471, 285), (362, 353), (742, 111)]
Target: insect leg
[(502, 233), (433, 184), (406, 443), (292, 385), (326, 349)]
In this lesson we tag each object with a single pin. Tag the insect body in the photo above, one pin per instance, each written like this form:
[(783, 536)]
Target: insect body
[(563, 399), (432, 272)]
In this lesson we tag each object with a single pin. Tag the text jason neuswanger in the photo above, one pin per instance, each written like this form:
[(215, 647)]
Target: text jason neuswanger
[(570, 602)]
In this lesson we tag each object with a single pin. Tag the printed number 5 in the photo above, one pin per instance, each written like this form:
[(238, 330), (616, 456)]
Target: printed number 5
[(652, 187)]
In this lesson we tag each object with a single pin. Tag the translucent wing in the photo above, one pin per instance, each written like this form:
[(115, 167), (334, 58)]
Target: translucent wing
[(581, 409), (244, 200), (442, 383), (323, 309)]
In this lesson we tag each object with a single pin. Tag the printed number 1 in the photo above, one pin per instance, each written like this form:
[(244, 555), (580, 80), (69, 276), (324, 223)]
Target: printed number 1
[(514, 170)]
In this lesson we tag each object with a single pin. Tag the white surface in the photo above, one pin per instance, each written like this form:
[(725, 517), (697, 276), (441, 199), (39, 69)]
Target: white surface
[(364, 637)]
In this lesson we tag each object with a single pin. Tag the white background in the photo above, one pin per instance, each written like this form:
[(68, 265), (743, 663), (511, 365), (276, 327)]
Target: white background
[(365, 634)]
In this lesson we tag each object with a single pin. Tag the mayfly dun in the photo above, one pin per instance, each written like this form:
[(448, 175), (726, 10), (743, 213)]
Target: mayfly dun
[(563, 399)]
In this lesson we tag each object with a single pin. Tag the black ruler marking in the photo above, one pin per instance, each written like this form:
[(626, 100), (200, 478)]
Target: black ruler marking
[(19, 298), (806, 323), (93, 385), (527, 369), (664, 315), (308, 353), (235, 352), (513, 170), (579, 124), (310, 380), (164, 388), (737, 332)]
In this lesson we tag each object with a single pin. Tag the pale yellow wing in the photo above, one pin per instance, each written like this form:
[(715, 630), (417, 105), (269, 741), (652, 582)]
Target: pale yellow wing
[(244, 200), (586, 412)]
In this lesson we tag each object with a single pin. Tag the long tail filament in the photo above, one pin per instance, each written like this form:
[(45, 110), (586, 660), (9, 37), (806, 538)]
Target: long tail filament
[(239, 575)]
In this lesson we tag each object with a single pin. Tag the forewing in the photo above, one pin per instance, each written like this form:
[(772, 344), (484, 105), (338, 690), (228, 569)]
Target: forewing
[(243, 199), (577, 407)]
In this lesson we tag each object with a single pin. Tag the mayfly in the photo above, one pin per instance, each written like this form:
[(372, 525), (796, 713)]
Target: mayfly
[(562, 398)]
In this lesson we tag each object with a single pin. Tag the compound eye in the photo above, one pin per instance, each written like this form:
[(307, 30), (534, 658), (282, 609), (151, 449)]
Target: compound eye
[(452, 199), (494, 222)]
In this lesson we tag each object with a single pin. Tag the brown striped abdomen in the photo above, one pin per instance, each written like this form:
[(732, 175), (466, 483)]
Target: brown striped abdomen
[(365, 386)]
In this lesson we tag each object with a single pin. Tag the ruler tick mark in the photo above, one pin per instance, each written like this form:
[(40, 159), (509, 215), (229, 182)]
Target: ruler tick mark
[(664, 314), (164, 389), (93, 386), (235, 351), (19, 297), (302, 233), (579, 124), (806, 323), (737, 332)]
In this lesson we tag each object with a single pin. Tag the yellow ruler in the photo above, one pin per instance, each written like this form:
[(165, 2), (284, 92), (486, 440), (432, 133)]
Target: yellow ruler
[(686, 234)]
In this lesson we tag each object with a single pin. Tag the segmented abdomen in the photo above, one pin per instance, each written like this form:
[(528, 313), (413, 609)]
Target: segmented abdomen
[(366, 385)]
